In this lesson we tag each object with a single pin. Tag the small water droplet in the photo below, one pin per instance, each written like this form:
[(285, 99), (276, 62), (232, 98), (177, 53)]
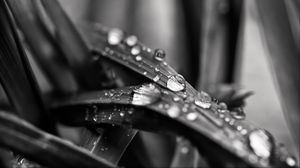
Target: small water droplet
[(261, 143), (146, 94), (114, 36), (227, 119), (159, 54), (131, 40), (203, 100), (145, 73), (176, 98), (291, 161), (184, 150), (122, 114), (192, 116), (173, 111), (156, 69), (138, 58), (136, 50), (176, 83), (244, 131), (222, 106), (238, 113), (156, 78)]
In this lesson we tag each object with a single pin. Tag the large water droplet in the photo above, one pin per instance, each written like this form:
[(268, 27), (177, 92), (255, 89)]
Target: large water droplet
[(203, 100), (159, 54), (176, 83), (131, 40), (238, 113), (135, 50), (173, 111), (261, 143), (146, 94), (114, 36)]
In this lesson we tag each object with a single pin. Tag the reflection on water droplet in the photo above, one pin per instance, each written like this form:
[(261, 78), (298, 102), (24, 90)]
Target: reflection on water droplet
[(114, 36), (145, 73), (138, 58), (156, 69), (159, 54), (131, 40), (146, 94), (184, 150), (192, 116), (203, 100), (291, 161), (135, 50), (173, 111), (261, 143), (176, 83), (156, 78), (176, 99), (238, 113)]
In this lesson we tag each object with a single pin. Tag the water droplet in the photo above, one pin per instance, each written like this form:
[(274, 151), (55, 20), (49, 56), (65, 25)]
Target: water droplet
[(184, 150), (227, 119), (135, 50), (176, 83), (291, 161), (238, 113), (146, 94), (192, 116), (145, 73), (222, 106), (138, 58), (159, 54), (203, 100), (244, 131), (156, 69), (114, 36), (122, 114), (156, 78), (176, 99), (261, 143), (131, 40), (173, 111)]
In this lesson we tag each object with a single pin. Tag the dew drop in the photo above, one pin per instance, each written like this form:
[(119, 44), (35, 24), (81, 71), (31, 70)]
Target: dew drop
[(290, 161), (145, 73), (176, 99), (156, 69), (238, 113), (184, 150), (135, 50), (131, 40), (122, 114), (173, 111), (156, 78), (145, 94), (138, 58), (203, 100), (159, 54), (114, 36), (176, 83), (261, 143), (192, 116)]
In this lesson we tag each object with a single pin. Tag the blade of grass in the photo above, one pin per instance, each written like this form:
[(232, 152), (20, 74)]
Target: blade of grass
[(89, 77), (206, 133), (43, 46), (16, 75), (22, 137)]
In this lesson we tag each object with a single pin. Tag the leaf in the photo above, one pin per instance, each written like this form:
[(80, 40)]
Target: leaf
[(18, 135)]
